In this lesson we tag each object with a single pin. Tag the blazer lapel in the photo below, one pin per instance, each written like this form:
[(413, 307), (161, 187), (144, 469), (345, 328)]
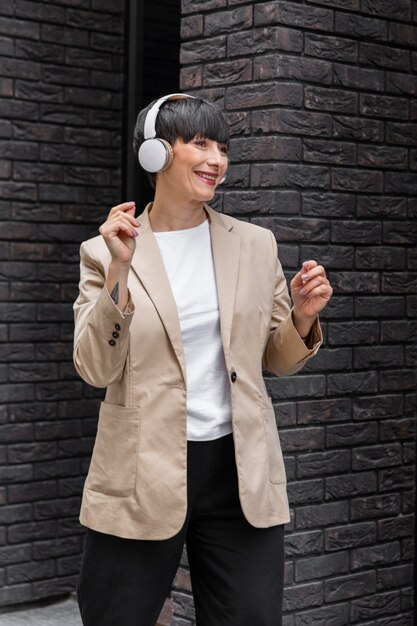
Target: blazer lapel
[(226, 254), (148, 265)]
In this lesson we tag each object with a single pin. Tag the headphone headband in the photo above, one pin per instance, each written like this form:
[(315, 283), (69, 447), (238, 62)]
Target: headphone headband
[(149, 131)]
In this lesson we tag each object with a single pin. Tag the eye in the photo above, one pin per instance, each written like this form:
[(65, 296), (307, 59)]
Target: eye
[(223, 149), (200, 142)]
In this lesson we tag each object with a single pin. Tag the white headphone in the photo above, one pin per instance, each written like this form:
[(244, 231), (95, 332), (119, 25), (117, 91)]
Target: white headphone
[(155, 155)]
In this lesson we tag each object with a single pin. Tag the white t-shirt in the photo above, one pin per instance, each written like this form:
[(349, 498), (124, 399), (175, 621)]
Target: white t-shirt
[(188, 261)]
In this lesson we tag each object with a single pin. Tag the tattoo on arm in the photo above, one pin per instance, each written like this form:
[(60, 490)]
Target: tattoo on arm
[(115, 293)]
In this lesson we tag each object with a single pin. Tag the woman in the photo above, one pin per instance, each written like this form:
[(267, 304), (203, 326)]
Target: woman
[(179, 310)]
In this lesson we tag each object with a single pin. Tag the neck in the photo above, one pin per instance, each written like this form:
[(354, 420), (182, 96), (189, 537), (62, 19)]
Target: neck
[(175, 214)]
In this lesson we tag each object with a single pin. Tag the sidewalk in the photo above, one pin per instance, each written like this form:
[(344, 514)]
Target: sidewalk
[(64, 613)]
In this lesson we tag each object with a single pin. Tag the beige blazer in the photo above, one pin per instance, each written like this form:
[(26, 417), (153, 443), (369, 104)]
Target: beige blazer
[(137, 483)]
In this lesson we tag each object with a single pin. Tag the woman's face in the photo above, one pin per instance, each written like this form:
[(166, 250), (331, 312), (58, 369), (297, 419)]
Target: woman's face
[(197, 168)]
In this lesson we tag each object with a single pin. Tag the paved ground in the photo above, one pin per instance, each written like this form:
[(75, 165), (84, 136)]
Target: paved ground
[(63, 613)]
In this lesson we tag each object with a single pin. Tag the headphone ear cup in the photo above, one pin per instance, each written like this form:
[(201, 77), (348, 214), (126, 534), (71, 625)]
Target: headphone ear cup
[(155, 155)]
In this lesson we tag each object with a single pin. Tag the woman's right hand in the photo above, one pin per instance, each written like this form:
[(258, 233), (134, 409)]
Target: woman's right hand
[(119, 233)]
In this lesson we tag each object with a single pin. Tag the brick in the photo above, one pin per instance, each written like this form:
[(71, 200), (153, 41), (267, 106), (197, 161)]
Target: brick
[(397, 380), (265, 148), (311, 438), (380, 257), (350, 179), (361, 27), (373, 555), (20, 533), (400, 83), (191, 27), (400, 182), (331, 257), (322, 463), (351, 434), (375, 506), (288, 175), (58, 586), (24, 572), (312, 411), (321, 515), (302, 492), (382, 156), (236, 71), (15, 554), (381, 206), (393, 528), (402, 478), (293, 15), (399, 233), (384, 56), (384, 8), (19, 29), (383, 106), (211, 49), (336, 614), (402, 34), (356, 383), (15, 594), (335, 359), (263, 94), (327, 99), (373, 357), (262, 40), (391, 577), (358, 78), (332, 48), (369, 457), (358, 129), (378, 605), (292, 67), (352, 282), (325, 204), (12, 514), (358, 332), (322, 151), (302, 596), (350, 536), (377, 407), (344, 587), (300, 544), (228, 21), (197, 6), (282, 388), (321, 566), (398, 331), (350, 485)]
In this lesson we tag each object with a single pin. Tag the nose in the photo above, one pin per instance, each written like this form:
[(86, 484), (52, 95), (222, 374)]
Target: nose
[(215, 156)]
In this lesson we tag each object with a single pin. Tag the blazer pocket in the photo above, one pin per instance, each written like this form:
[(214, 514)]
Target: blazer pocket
[(275, 458), (113, 463)]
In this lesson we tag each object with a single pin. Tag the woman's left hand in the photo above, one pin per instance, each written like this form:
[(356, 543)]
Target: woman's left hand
[(310, 291)]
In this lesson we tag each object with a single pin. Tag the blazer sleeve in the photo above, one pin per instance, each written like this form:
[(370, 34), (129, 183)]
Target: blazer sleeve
[(101, 335), (285, 352)]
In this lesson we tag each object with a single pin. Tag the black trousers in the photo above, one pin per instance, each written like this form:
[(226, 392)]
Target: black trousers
[(236, 570)]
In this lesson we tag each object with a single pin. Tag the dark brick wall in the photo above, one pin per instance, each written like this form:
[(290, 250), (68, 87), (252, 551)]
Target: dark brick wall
[(61, 81), (321, 96)]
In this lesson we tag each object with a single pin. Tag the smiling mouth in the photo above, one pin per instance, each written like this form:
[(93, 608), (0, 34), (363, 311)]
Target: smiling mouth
[(208, 179)]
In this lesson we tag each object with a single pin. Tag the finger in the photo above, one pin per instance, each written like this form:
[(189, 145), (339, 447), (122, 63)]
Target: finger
[(111, 231), (311, 284), (313, 273), (308, 265), (323, 291), (123, 215), (125, 206)]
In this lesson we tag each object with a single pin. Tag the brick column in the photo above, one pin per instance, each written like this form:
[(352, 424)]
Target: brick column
[(61, 78), (321, 97)]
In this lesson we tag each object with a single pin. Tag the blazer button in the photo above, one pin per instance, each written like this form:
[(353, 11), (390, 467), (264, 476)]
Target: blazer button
[(115, 335), (112, 342), (233, 377), (117, 327)]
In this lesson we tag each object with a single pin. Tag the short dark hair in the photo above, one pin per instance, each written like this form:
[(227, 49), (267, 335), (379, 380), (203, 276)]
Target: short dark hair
[(183, 119)]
